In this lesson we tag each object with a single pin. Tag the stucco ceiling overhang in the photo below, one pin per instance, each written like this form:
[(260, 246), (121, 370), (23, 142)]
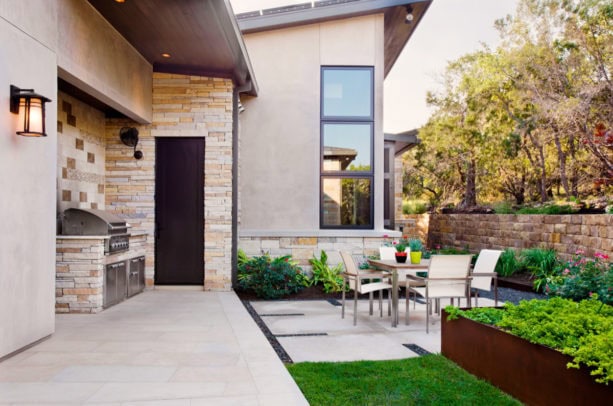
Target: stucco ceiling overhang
[(396, 35), (201, 37)]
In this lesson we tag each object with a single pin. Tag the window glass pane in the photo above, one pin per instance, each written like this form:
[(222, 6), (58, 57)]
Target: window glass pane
[(347, 93), (347, 147), (346, 201)]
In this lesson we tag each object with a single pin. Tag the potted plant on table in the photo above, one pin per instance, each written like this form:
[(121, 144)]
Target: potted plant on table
[(416, 247), (401, 254)]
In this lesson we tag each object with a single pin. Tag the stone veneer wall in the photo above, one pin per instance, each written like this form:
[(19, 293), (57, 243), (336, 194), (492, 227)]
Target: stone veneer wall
[(304, 248), (183, 106), (566, 234), (81, 155), (80, 264)]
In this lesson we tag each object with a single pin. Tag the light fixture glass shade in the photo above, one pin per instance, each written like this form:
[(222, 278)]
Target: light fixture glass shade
[(31, 123)]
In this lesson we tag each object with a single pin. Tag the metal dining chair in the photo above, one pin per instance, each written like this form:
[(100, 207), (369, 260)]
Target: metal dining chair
[(356, 278), (483, 274), (447, 278)]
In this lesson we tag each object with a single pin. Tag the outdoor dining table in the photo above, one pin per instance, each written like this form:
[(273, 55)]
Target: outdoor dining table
[(392, 266)]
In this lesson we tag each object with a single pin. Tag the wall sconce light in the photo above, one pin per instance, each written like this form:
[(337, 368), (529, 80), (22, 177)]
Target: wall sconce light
[(409, 18), (129, 137), (31, 109)]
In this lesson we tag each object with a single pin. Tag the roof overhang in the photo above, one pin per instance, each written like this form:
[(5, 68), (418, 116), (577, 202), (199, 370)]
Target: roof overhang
[(403, 141), (396, 35), (202, 37)]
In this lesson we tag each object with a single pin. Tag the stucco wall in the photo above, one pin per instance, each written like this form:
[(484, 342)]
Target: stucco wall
[(93, 56), (27, 183), (566, 234), (280, 129)]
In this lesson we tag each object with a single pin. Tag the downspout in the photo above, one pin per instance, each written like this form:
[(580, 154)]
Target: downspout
[(235, 100)]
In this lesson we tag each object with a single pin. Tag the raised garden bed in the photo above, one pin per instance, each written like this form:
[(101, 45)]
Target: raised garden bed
[(532, 373)]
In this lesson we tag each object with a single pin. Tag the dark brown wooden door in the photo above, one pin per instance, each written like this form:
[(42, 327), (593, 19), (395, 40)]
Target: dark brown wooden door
[(179, 211)]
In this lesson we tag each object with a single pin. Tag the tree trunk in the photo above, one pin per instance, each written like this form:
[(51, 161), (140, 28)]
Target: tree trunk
[(562, 161), (470, 193)]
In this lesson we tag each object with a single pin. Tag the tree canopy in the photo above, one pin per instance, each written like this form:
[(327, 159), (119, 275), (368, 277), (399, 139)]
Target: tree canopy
[(528, 120)]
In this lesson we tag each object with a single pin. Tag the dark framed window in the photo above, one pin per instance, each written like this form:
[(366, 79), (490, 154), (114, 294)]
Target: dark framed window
[(347, 142)]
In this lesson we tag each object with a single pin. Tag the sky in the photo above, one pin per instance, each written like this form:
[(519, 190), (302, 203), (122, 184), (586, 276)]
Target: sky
[(450, 29)]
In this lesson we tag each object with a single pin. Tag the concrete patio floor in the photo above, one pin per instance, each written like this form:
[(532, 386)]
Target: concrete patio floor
[(181, 348), (312, 330)]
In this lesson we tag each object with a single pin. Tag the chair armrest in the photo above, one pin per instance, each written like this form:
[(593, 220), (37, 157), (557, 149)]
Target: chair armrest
[(493, 274)]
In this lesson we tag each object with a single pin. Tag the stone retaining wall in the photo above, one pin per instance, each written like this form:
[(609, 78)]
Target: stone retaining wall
[(565, 233)]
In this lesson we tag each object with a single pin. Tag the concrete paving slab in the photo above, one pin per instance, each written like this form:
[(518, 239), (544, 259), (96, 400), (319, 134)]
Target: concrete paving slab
[(158, 348), (313, 330)]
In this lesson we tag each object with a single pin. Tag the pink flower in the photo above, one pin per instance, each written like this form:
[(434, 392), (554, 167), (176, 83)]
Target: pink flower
[(579, 252), (385, 236), (395, 242), (438, 246), (601, 255), (566, 271), (591, 294)]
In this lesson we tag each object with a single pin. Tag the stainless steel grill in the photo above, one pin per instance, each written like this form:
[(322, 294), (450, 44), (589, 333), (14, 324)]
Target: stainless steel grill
[(98, 222)]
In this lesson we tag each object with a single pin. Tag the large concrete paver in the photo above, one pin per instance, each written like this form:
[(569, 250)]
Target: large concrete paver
[(313, 330), (158, 348)]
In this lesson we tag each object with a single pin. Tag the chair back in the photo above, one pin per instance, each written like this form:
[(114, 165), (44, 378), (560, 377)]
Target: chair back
[(351, 270), (448, 266), (486, 263), (387, 253)]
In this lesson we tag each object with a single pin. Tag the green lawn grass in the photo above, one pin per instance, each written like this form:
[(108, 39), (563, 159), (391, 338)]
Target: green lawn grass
[(427, 380)]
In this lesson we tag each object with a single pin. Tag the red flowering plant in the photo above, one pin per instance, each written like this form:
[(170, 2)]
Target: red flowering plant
[(582, 278)]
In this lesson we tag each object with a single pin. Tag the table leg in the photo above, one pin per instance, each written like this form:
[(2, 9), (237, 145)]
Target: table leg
[(394, 298)]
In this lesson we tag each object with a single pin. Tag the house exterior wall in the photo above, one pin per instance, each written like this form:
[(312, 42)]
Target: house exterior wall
[(94, 57), (27, 185), (183, 106), (279, 178)]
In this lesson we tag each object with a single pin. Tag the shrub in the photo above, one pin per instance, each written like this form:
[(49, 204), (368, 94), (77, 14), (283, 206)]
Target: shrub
[(582, 330), (330, 278), (541, 262), (581, 278), (547, 209), (503, 208), (271, 278), (414, 207), (508, 263)]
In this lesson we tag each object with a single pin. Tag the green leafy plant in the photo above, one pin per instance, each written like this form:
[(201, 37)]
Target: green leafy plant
[(582, 277), (329, 277), (503, 208), (541, 262), (414, 207), (508, 263), (242, 257), (400, 247), (582, 330), (270, 278), (415, 244), (547, 209)]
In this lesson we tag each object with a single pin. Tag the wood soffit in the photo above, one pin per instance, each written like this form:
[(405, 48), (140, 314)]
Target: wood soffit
[(201, 36)]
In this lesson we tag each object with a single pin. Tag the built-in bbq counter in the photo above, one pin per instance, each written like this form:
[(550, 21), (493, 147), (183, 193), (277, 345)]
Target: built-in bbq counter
[(87, 280)]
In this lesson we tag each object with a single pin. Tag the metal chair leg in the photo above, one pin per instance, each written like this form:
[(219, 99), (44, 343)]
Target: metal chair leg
[(355, 307), (343, 308)]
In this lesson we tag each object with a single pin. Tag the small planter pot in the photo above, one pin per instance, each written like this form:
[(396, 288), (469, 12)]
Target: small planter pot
[(401, 257), (532, 373), (415, 257)]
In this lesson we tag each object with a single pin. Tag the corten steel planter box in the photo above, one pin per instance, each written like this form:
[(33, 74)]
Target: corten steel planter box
[(532, 373)]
